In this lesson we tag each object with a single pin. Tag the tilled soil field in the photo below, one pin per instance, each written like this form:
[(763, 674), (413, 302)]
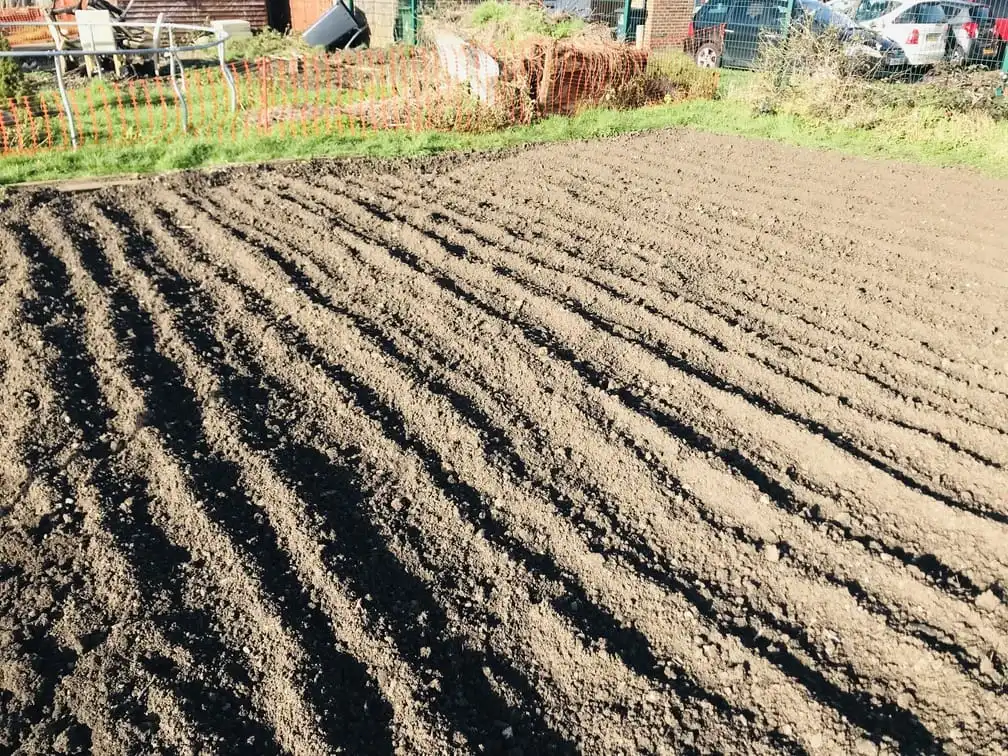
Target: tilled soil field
[(668, 444)]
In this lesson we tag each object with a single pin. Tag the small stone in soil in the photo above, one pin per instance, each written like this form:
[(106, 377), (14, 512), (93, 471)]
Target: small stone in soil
[(988, 601), (987, 667)]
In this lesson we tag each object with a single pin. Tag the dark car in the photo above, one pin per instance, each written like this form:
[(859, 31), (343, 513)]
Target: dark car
[(973, 36), (729, 32), (998, 10)]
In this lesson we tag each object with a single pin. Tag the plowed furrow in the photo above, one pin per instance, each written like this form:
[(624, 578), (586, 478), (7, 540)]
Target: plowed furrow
[(913, 240), (488, 527), (803, 448), (294, 462), (674, 294), (806, 195), (448, 683), (90, 497), (937, 572), (30, 482), (487, 377), (673, 443), (827, 382), (896, 552), (915, 232), (963, 484), (334, 635), (157, 418), (695, 231)]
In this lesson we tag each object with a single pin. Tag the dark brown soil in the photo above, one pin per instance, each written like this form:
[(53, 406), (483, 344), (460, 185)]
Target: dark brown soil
[(668, 444)]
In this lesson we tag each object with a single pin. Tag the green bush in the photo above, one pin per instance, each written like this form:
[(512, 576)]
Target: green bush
[(515, 21), (267, 44), (13, 82)]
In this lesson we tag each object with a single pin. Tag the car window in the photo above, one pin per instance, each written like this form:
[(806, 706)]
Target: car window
[(823, 16), (869, 10), (999, 9), (758, 13), (713, 12), (922, 13), (957, 14)]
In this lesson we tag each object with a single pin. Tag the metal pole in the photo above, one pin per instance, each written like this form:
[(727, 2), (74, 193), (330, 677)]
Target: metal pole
[(1000, 91), (179, 92), (625, 31), (786, 21), (71, 127), (232, 94)]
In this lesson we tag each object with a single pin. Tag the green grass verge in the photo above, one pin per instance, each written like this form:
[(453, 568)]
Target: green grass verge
[(984, 148)]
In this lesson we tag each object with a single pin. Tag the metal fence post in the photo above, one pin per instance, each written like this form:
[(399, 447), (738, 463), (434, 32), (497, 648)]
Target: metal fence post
[(173, 62), (228, 78), (624, 30), (71, 126), (788, 7)]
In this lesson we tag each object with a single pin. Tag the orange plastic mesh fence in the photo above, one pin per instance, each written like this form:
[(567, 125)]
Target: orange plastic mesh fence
[(354, 93)]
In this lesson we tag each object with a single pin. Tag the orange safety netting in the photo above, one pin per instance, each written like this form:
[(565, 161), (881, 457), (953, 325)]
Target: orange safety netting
[(31, 36)]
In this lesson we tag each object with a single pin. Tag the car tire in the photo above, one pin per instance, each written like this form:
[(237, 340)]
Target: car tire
[(957, 57), (708, 55)]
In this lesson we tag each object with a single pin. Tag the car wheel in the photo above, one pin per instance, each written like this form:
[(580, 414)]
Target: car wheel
[(708, 56), (957, 57)]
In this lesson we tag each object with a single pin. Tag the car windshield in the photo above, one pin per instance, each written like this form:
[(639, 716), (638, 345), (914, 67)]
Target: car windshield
[(923, 13), (823, 15), (869, 10), (713, 12)]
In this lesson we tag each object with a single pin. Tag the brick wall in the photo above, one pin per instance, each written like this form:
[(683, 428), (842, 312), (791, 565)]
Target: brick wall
[(667, 23)]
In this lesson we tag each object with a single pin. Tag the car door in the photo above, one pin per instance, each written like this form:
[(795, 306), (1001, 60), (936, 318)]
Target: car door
[(922, 31), (750, 24)]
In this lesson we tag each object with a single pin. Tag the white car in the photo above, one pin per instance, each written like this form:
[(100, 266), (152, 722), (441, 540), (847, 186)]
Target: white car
[(920, 27)]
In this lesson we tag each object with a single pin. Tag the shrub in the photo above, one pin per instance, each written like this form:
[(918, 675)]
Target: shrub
[(267, 44), (811, 75), (13, 82), (667, 79)]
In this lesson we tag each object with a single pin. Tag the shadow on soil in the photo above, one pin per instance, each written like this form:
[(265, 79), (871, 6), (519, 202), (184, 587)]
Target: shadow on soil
[(594, 622), (879, 719), (157, 563), (460, 679)]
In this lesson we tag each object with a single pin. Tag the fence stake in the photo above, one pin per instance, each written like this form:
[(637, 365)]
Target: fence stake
[(3, 133), (66, 104), (232, 93), (31, 123), (179, 92), (17, 123)]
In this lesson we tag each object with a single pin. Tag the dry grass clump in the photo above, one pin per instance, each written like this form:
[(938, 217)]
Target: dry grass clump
[(813, 76)]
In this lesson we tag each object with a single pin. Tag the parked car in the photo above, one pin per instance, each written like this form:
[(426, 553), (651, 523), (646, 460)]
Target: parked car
[(729, 32), (998, 11), (920, 27), (973, 38)]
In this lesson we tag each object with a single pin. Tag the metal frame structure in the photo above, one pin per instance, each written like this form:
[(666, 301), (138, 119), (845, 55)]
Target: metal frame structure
[(157, 29)]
